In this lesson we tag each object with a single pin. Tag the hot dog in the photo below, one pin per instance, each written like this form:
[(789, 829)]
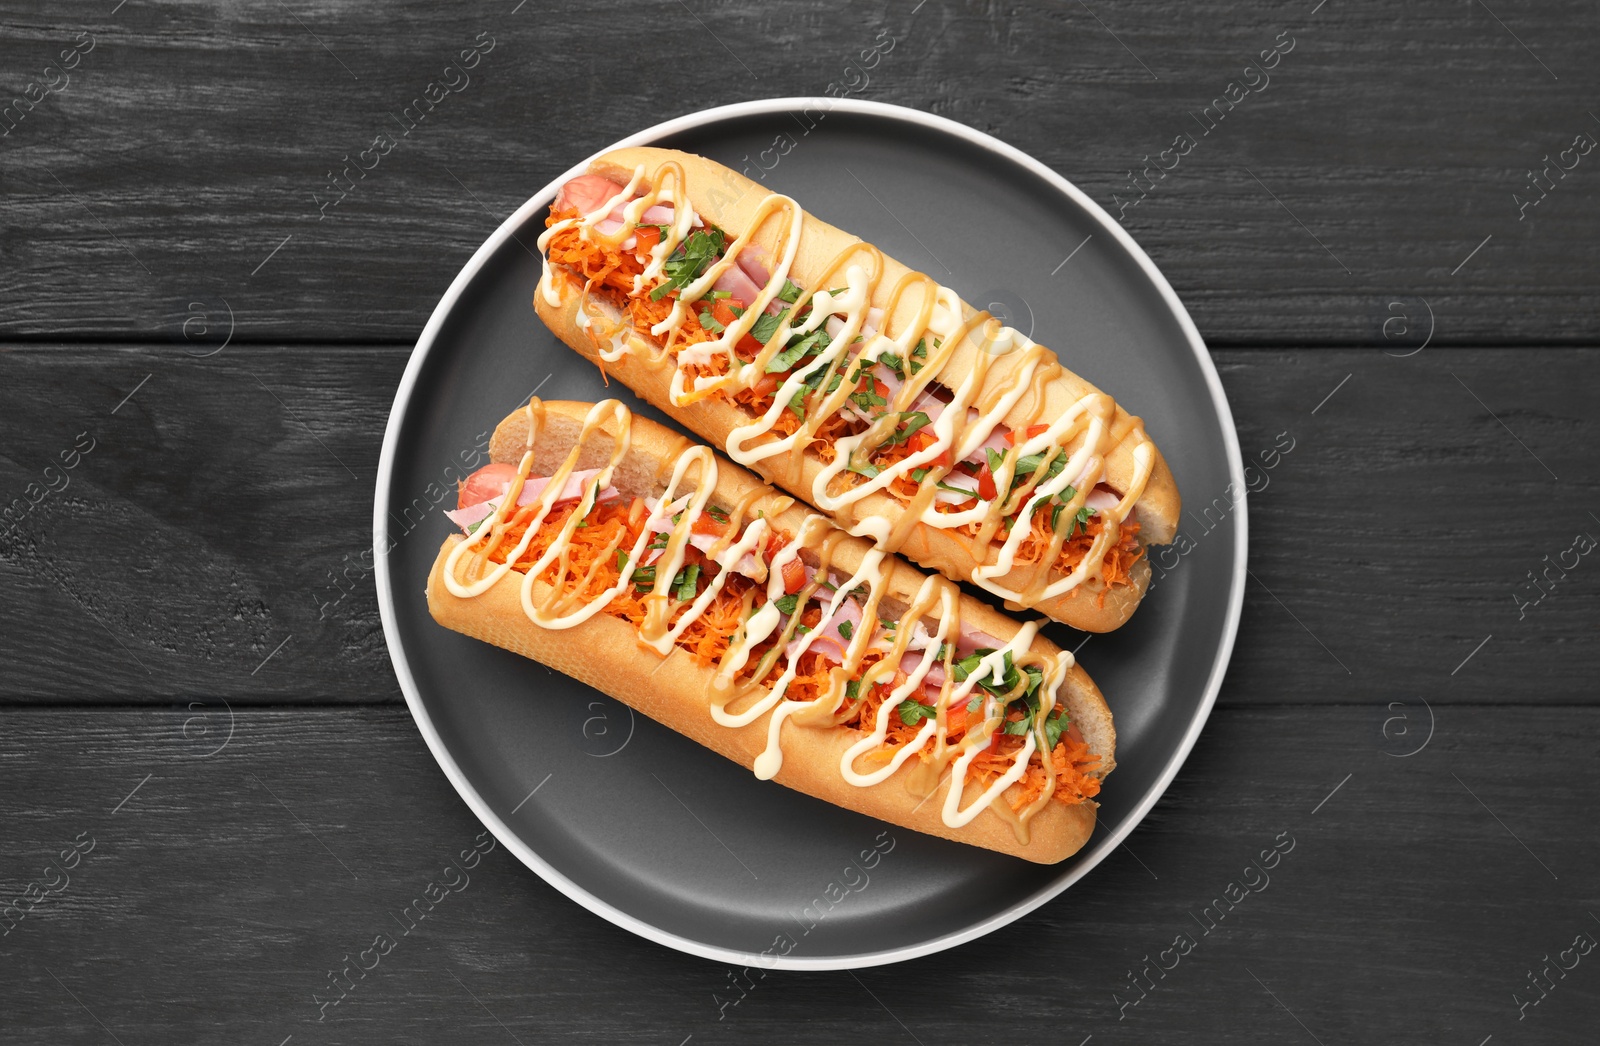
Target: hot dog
[(860, 386), (616, 551)]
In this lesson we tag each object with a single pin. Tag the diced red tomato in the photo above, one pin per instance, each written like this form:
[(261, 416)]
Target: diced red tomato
[(922, 439), (880, 390), (491, 481), (746, 347), (986, 487), (1033, 430), (955, 719), (722, 310), (647, 236), (706, 523), (769, 382), (794, 576)]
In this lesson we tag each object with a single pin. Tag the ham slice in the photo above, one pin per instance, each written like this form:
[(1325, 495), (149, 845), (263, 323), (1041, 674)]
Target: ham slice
[(967, 642), (660, 522), (588, 192), (830, 640), (738, 283), (753, 260), (657, 215), (869, 324), (531, 489)]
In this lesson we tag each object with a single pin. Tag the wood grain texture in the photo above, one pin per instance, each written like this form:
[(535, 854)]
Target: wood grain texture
[(193, 143), (220, 893), (1402, 701), (225, 507)]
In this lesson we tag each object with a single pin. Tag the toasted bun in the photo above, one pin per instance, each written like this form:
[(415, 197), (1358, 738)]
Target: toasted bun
[(731, 200), (673, 690)]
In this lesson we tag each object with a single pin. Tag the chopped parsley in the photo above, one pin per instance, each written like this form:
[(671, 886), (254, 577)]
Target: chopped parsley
[(813, 381), (867, 397), (766, 325), (868, 470), (847, 630), (684, 584), (909, 425), (913, 712), (1055, 724), (1009, 676), (1027, 466), (1081, 518), (790, 292), (968, 665), (641, 577), (710, 323), (920, 353), (808, 345), (786, 604), (690, 261)]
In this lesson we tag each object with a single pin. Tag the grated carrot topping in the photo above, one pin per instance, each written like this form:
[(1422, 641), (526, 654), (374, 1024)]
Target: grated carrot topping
[(590, 565), (611, 275)]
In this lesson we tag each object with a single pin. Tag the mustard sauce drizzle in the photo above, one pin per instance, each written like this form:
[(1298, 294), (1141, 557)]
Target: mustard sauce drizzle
[(738, 698), (982, 398)]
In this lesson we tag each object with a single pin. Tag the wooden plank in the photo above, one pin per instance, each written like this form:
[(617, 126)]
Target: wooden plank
[(1400, 532), (206, 525), (224, 508), (221, 890), (1381, 156)]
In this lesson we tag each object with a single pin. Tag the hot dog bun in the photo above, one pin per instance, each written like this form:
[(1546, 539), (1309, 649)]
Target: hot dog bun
[(730, 200), (605, 653)]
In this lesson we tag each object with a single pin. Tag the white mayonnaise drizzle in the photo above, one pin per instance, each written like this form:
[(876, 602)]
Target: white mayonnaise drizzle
[(686, 497), (983, 395)]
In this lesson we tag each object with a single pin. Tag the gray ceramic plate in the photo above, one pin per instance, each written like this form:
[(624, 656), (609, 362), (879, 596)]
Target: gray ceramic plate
[(659, 835)]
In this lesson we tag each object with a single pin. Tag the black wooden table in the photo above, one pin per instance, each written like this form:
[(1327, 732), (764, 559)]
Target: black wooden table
[(214, 798)]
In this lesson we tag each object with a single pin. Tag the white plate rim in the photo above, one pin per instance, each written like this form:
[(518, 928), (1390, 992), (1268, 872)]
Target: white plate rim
[(507, 837)]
